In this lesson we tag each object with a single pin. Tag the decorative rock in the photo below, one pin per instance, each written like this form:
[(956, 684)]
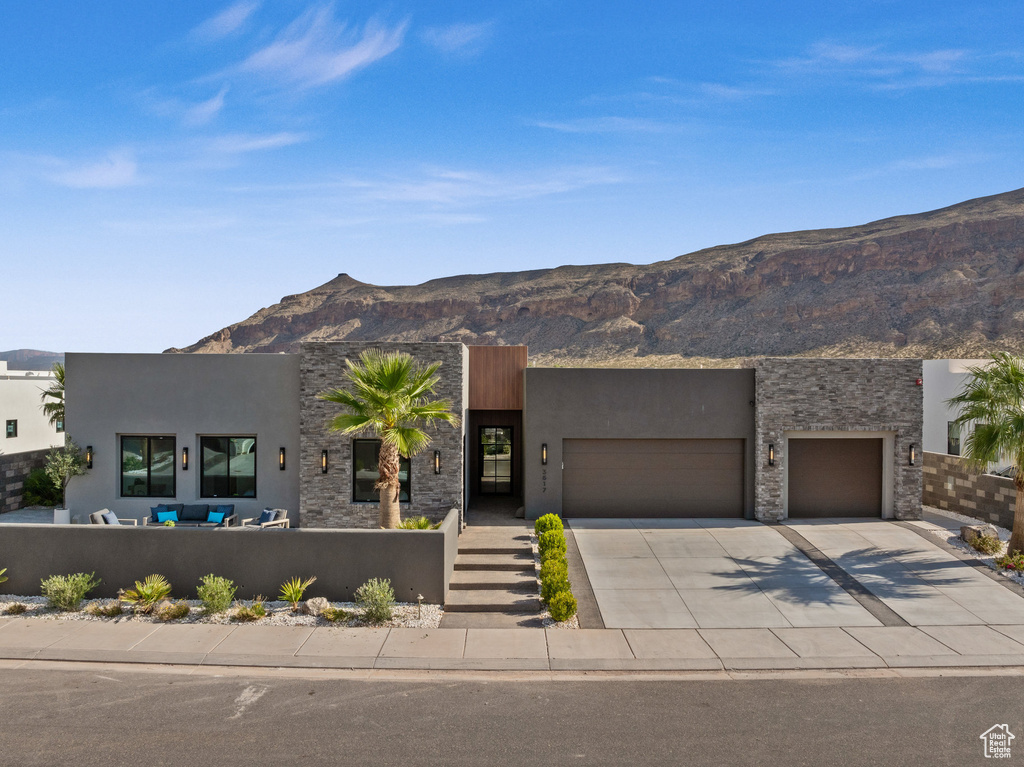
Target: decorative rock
[(969, 532), (315, 606)]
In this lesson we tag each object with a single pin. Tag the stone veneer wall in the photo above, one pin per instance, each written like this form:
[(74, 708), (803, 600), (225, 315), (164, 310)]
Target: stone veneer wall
[(14, 469), (797, 394), (325, 500), (949, 485)]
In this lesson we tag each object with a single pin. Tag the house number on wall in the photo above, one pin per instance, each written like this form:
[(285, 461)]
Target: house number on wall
[(543, 480)]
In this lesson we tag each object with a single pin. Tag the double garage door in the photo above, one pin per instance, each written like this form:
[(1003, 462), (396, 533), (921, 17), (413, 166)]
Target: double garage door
[(652, 478)]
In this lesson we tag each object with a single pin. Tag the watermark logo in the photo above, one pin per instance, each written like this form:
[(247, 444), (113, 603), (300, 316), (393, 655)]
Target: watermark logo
[(997, 741)]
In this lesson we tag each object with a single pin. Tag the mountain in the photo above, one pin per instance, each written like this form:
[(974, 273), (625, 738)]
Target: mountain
[(30, 359), (947, 283)]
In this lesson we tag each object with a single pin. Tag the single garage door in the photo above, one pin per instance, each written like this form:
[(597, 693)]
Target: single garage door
[(652, 478), (835, 478)]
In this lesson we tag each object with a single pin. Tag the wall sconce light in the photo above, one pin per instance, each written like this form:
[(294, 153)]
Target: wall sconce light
[(88, 457), (280, 459), (184, 459), (544, 454), (437, 461), (323, 461), (913, 453), (771, 453)]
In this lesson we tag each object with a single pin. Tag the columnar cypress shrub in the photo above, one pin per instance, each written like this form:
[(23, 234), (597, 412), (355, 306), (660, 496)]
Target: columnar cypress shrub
[(548, 522)]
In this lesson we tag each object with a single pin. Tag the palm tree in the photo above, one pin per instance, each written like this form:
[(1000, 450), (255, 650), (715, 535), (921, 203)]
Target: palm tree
[(55, 410), (992, 399), (389, 396)]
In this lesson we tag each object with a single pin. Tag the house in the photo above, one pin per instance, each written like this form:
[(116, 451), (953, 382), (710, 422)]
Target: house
[(28, 433), (778, 438)]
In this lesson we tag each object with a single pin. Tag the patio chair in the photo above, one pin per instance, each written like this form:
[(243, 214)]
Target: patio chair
[(107, 517), (269, 518)]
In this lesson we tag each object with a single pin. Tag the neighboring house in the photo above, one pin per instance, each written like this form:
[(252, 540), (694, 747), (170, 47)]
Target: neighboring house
[(28, 435), (780, 438)]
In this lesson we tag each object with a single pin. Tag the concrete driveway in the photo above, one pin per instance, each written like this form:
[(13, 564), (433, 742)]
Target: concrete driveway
[(712, 574)]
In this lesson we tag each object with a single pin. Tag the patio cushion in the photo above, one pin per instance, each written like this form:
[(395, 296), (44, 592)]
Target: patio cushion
[(166, 516), (215, 516), (176, 507), (194, 512), (110, 518), (227, 509), (268, 515)]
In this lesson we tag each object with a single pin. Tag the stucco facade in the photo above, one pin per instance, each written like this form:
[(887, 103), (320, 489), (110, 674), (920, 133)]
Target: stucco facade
[(21, 401)]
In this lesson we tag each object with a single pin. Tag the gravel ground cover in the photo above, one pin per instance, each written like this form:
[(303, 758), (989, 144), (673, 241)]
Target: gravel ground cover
[(278, 614), (953, 539)]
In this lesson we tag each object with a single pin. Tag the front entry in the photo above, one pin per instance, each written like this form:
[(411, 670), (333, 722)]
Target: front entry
[(495, 465)]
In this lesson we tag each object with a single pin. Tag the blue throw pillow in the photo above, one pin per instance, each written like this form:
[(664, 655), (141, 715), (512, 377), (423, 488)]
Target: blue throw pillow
[(268, 515), (216, 517), (166, 516), (110, 518), (155, 510), (227, 510)]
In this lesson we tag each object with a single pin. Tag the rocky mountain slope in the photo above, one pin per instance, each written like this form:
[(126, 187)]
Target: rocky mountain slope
[(948, 283)]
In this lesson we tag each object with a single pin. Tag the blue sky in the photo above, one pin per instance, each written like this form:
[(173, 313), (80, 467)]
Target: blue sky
[(168, 168)]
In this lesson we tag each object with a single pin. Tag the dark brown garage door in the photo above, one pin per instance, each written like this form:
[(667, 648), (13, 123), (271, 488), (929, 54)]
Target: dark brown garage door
[(652, 478), (835, 478)]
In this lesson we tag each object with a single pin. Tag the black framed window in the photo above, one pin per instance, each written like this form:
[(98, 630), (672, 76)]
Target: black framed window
[(495, 460), (12, 428), (952, 438), (365, 459), (59, 425), (228, 467), (147, 467)]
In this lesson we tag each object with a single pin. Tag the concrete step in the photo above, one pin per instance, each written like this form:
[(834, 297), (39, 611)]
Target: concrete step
[(495, 620), (495, 550), (515, 563), (490, 600), (512, 580)]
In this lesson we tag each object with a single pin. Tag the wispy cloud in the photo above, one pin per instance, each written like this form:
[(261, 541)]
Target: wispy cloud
[(465, 39), (225, 23), (117, 169), (204, 111), (924, 163), (241, 143), (315, 49), (608, 124), (192, 114)]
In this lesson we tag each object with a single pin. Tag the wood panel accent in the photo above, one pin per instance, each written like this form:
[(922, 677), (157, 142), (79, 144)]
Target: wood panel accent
[(496, 377)]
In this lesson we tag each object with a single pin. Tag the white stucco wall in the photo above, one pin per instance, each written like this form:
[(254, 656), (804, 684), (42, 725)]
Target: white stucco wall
[(185, 396), (20, 400), (942, 380)]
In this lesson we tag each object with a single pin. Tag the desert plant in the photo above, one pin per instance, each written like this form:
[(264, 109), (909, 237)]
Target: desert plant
[(418, 523), (552, 565), (253, 612), (377, 599), (986, 544), (40, 490), (145, 596), (216, 593), (335, 615), (390, 397), (555, 584), (64, 464), (15, 608), (1014, 561), (109, 609), (2, 576), (562, 606), (292, 591), (66, 592), (548, 522), (172, 611)]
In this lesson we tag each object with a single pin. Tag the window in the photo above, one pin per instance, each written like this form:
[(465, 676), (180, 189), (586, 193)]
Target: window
[(365, 475), (59, 425), (495, 460), (228, 468), (952, 438), (147, 467), (12, 429)]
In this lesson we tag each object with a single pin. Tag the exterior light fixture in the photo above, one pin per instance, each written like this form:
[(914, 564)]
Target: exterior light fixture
[(913, 453), (771, 453), (184, 459), (437, 461), (544, 454), (323, 461), (88, 457), (280, 459)]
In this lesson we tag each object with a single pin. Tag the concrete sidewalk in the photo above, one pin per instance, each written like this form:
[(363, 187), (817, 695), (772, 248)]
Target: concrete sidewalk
[(513, 649)]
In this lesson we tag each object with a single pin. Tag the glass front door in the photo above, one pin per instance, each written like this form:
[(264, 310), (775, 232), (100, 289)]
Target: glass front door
[(495, 460)]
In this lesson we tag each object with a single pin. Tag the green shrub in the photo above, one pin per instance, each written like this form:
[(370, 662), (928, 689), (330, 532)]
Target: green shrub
[(552, 540), (2, 576), (986, 544), (292, 591), (40, 490), (553, 565), (1014, 561), (335, 615), (146, 595), (377, 599), (547, 523), (555, 584), (216, 593), (253, 612), (110, 609), (66, 592), (172, 611), (562, 606), (418, 523), (16, 608)]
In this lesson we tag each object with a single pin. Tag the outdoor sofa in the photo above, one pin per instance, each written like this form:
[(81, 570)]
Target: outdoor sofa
[(192, 515)]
